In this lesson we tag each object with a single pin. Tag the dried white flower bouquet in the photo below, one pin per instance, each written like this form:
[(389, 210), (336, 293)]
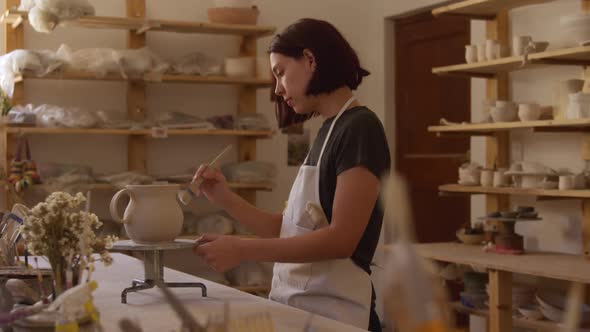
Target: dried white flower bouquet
[(60, 231)]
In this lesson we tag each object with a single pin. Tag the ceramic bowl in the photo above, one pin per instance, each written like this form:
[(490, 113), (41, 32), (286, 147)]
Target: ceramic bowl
[(552, 306), (529, 112), (240, 67), (502, 114), (471, 239), (540, 46), (578, 27)]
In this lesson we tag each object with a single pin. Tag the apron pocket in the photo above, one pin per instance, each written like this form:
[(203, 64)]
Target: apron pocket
[(295, 275)]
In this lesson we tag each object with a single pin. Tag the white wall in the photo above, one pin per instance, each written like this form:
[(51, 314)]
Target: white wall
[(177, 154)]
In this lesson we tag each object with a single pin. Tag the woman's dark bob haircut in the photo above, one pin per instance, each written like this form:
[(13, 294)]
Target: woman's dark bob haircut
[(337, 63)]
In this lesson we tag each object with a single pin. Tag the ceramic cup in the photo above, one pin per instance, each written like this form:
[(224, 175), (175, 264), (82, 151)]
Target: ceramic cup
[(492, 49), (566, 182), (519, 43), (500, 179), (486, 177), (481, 52), (470, 53)]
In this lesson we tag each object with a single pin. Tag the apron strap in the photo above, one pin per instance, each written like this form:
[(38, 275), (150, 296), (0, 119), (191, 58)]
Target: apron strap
[(342, 110)]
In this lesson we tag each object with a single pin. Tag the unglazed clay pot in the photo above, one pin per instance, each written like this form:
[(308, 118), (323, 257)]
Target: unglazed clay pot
[(153, 215)]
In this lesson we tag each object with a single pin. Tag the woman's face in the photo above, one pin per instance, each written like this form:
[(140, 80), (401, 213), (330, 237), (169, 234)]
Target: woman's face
[(293, 76)]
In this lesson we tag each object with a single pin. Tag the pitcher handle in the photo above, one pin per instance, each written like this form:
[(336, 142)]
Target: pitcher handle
[(113, 205)]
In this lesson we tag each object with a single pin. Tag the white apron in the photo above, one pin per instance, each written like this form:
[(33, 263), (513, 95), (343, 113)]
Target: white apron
[(336, 288)]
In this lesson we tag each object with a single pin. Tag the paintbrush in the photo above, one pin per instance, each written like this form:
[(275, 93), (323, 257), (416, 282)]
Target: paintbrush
[(186, 195)]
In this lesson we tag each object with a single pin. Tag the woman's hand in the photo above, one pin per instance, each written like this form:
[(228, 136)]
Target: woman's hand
[(214, 185), (221, 252)]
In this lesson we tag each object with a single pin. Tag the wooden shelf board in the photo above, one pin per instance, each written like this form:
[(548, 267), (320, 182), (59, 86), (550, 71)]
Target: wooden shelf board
[(477, 128), (140, 24), (569, 56), (196, 79), (262, 186), (171, 132), (536, 325), (456, 188), (548, 265), (483, 9)]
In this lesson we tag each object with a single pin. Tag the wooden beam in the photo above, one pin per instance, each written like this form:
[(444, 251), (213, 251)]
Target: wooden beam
[(586, 6), (500, 287), (136, 96), (247, 105), (586, 227), (498, 146), (14, 38)]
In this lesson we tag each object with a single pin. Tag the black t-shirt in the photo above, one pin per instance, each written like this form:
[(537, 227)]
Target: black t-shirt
[(357, 140)]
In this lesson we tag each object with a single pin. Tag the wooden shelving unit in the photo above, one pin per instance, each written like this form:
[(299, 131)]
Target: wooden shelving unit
[(136, 25), (262, 186), (486, 129), (483, 9), (142, 25), (575, 56), (457, 188), (574, 268), (535, 325), (140, 132), (548, 265), (186, 79)]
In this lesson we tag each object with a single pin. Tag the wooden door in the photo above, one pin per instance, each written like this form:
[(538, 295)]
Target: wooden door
[(422, 99)]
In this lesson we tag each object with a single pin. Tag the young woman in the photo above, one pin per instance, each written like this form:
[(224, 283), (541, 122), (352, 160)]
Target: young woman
[(324, 241)]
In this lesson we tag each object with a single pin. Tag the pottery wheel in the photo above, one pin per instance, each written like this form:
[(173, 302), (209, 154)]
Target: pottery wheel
[(153, 265)]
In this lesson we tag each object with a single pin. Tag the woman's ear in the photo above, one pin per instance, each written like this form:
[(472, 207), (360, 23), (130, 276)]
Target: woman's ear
[(310, 58)]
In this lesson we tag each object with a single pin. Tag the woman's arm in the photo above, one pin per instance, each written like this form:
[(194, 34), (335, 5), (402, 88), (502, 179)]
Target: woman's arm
[(356, 194), (215, 188), (262, 223)]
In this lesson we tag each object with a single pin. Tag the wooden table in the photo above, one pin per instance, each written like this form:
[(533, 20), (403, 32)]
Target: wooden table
[(151, 310)]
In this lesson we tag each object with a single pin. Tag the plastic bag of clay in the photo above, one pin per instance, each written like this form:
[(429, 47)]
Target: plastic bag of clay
[(45, 15), (250, 274), (49, 115), (252, 122), (196, 64), (22, 115), (17, 62), (101, 61), (121, 180), (215, 224), (117, 120), (137, 62), (182, 120), (53, 170), (250, 171), (222, 121), (71, 182)]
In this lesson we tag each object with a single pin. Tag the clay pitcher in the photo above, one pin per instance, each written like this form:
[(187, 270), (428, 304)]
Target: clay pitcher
[(152, 215)]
